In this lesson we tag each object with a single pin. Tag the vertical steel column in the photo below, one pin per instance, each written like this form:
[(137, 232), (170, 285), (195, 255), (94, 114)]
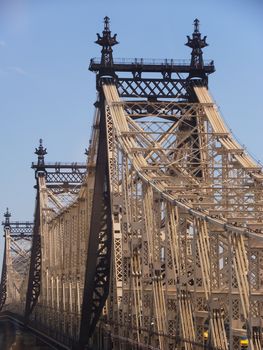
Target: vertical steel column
[(97, 276), (34, 279), (3, 280)]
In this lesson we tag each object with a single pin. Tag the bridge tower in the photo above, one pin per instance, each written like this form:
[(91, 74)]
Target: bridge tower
[(175, 209), (58, 254), (157, 241), (6, 223), (16, 259)]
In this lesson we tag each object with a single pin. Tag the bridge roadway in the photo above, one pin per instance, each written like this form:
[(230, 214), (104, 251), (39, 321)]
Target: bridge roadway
[(156, 242), (15, 336)]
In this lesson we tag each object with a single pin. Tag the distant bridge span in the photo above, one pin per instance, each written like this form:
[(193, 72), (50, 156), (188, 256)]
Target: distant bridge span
[(157, 241)]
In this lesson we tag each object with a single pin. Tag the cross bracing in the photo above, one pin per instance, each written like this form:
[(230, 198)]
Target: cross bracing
[(156, 242), (17, 253)]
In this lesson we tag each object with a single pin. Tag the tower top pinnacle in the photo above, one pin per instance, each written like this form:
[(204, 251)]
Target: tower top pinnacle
[(196, 25), (196, 43), (106, 23), (7, 216), (107, 41), (41, 152)]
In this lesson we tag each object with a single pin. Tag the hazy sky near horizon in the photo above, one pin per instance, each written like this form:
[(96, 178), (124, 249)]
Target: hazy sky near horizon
[(47, 91)]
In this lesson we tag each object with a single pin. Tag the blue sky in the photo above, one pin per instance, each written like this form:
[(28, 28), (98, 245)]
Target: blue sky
[(47, 91)]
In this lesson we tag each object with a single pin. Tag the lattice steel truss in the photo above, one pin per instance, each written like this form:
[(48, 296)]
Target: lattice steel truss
[(59, 250), (157, 242), (17, 253), (187, 227), (186, 208)]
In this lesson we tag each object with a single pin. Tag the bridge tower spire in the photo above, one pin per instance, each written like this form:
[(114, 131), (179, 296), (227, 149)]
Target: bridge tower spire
[(40, 152), (197, 43), (7, 216), (107, 41)]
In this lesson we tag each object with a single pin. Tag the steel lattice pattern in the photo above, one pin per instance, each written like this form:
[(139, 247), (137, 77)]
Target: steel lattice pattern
[(157, 242)]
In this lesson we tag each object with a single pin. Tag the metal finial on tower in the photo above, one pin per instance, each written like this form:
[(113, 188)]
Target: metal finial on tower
[(196, 25), (106, 23), (107, 42), (40, 168), (196, 43), (41, 152), (7, 216)]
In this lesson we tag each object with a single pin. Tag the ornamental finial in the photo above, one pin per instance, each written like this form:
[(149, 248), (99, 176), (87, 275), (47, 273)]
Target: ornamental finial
[(7, 216), (107, 42), (107, 23), (196, 43), (196, 25), (41, 152)]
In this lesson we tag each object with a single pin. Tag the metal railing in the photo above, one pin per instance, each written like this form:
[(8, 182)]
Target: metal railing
[(151, 61)]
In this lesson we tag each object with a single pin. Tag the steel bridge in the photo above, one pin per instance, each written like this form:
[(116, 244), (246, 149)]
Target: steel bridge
[(156, 242)]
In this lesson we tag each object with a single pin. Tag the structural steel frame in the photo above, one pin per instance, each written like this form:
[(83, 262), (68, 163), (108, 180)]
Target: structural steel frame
[(157, 241)]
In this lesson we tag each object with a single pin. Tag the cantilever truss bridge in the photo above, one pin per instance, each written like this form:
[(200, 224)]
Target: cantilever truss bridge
[(157, 241)]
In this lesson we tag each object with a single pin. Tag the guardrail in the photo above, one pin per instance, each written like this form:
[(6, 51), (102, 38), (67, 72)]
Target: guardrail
[(149, 61)]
